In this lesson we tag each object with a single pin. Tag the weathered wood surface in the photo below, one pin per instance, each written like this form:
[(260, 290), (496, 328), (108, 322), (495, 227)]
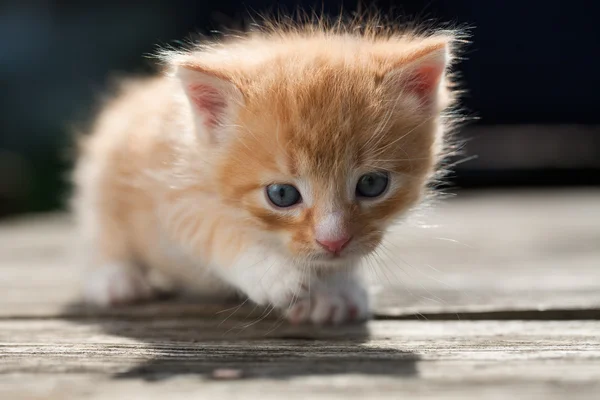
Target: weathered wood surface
[(496, 255), (477, 253), (387, 359)]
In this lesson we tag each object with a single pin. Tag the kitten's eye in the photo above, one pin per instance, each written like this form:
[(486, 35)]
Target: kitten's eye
[(372, 184), (282, 195)]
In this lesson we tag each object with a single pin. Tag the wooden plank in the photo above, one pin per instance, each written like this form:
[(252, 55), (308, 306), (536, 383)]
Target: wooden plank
[(386, 359), (499, 251), (488, 252), (57, 387)]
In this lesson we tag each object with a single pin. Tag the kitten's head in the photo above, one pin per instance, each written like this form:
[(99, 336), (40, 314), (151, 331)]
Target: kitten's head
[(322, 140)]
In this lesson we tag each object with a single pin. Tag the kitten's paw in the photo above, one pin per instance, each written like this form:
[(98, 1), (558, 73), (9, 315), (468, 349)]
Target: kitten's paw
[(116, 284), (331, 305)]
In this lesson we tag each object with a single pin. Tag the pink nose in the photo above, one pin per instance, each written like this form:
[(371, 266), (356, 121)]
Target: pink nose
[(335, 245)]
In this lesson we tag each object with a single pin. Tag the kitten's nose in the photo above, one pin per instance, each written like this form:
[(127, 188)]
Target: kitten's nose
[(335, 245)]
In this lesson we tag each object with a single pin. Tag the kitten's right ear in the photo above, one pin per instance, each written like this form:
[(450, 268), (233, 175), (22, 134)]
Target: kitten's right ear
[(215, 100), (420, 72)]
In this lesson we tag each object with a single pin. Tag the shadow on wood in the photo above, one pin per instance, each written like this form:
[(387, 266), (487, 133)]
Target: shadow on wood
[(243, 344)]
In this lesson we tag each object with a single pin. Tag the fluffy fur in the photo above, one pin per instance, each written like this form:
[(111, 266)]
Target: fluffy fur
[(170, 185)]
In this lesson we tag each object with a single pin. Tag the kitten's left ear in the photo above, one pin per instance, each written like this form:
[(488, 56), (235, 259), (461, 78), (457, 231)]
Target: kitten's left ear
[(421, 73), (215, 100)]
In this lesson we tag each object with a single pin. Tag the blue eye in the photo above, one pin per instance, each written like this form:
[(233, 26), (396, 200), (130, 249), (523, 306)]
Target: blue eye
[(372, 184), (282, 195)]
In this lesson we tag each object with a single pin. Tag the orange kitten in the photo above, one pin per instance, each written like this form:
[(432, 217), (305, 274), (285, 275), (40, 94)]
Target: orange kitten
[(268, 164)]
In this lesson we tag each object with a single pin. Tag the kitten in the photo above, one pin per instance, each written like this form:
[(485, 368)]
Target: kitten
[(267, 164)]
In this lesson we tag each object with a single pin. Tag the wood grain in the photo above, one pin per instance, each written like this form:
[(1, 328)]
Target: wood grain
[(175, 358)]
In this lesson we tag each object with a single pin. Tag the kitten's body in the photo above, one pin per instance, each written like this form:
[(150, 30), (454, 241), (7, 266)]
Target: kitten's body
[(171, 184)]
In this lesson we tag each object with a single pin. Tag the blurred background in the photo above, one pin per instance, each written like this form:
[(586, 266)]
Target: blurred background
[(531, 73)]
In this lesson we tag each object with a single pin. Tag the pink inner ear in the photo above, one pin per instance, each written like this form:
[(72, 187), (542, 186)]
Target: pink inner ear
[(426, 79), (208, 101)]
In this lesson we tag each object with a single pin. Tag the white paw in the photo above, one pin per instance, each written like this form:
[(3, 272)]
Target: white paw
[(331, 304), (116, 283), (271, 280)]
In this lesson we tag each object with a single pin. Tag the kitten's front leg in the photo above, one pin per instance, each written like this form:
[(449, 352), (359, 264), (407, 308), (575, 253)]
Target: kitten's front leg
[(266, 278), (338, 297), (301, 294)]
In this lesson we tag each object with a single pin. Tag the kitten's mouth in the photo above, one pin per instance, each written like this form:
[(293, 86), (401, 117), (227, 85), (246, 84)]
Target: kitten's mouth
[(332, 259)]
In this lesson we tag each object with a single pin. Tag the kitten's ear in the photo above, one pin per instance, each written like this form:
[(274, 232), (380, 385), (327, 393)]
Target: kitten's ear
[(420, 73), (215, 100)]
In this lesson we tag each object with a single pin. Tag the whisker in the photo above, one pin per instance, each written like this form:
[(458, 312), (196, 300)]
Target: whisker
[(261, 318), (463, 160), (392, 160), (236, 309), (277, 324), (439, 300), (453, 241), (433, 297), (443, 283), (382, 149)]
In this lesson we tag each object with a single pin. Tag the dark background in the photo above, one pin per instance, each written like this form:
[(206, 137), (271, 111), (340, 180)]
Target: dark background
[(531, 71)]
